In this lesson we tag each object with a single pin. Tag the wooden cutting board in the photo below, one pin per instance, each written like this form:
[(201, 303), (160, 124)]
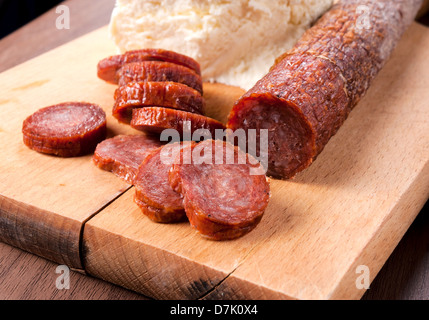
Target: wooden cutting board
[(349, 209)]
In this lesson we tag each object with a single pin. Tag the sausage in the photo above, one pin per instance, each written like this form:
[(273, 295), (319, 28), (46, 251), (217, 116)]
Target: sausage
[(162, 94), (156, 119), (123, 154), (108, 68), (224, 199), (310, 90), (153, 193), (159, 215), (67, 129), (158, 71)]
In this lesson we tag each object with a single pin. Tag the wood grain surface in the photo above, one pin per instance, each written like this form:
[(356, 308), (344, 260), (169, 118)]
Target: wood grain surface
[(404, 275)]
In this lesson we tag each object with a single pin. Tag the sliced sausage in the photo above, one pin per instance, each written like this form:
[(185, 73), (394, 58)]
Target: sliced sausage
[(108, 68), (155, 119), (123, 154), (159, 71), (67, 129), (225, 193), (310, 90), (157, 214), (163, 94), (153, 193), (359, 37)]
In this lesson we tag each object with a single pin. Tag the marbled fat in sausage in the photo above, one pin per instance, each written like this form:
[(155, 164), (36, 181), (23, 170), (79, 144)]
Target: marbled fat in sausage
[(159, 71)]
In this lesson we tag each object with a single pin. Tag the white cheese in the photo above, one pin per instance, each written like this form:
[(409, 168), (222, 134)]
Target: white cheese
[(235, 41)]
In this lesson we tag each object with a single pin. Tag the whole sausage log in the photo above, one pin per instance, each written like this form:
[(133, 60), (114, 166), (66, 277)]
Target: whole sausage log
[(123, 154), (68, 129), (310, 90), (153, 193)]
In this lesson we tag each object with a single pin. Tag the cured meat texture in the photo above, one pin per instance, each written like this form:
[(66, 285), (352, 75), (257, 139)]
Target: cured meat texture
[(123, 154), (162, 94), (154, 195), (157, 119), (299, 121), (158, 71), (225, 191), (158, 90), (310, 90), (68, 129), (107, 69)]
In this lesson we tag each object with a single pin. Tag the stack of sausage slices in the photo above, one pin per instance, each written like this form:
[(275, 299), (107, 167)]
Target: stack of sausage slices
[(157, 90)]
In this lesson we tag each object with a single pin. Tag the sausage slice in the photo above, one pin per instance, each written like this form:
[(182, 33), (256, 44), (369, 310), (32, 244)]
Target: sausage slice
[(163, 94), (224, 192), (155, 119), (108, 68), (68, 129), (159, 215), (123, 154), (153, 194), (310, 91)]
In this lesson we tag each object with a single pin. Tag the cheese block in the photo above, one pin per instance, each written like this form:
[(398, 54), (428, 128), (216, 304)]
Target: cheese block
[(235, 41)]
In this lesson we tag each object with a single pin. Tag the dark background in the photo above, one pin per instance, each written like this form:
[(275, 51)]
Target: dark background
[(16, 13)]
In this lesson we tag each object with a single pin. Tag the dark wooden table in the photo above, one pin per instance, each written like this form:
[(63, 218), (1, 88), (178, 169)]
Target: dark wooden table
[(25, 276)]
